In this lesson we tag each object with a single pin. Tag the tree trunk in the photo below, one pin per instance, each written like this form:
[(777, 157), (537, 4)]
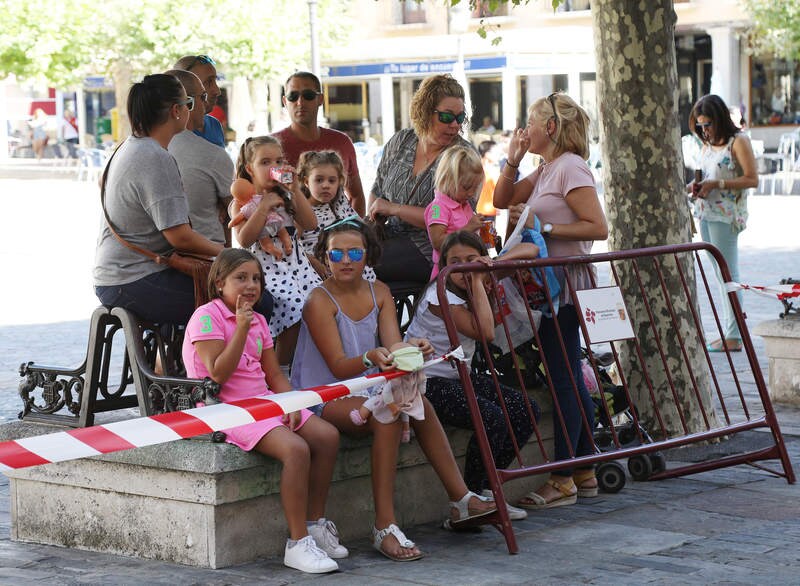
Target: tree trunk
[(637, 87)]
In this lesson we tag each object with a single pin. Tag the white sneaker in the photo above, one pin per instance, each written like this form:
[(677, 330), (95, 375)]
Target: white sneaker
[(514, 513), (305, 556), (326, 537)]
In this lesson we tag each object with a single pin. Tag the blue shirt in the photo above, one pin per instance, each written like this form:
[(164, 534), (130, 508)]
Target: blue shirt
[(212, 131)]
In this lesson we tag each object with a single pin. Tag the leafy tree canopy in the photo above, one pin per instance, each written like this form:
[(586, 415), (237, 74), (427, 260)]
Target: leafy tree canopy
[(776, 27), (64, 41)]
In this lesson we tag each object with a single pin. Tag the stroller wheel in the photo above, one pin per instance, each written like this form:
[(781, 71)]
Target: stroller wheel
[(640, 467), (610, 477), (658, 462)]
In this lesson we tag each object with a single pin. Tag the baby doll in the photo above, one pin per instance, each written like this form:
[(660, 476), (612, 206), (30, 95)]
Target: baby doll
[(247, 199), (401, 397)]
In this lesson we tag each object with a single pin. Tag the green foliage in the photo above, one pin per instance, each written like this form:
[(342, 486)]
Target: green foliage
[(776, 27), (62, 42)]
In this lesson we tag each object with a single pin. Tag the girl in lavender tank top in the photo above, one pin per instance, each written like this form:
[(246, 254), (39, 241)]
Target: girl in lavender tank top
[(350, 328)]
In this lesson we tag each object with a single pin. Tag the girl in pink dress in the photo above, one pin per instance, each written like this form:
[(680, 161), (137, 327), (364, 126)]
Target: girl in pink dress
[(230, 343)]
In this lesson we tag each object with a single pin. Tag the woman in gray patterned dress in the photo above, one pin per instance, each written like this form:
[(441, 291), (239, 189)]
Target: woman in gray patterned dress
[(404, 181)]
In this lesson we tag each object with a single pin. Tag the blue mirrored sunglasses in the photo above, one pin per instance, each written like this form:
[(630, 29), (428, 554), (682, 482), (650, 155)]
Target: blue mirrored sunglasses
[(354, 254)]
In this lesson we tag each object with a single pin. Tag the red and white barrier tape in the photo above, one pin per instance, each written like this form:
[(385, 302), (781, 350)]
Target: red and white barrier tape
[(779, 292), (167, 427)]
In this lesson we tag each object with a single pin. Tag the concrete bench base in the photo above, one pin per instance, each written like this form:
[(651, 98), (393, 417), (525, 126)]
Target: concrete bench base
[(204, 504), (782, 344)]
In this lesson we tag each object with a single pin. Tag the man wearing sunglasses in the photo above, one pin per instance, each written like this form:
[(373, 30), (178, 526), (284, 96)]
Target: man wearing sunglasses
[(302, 99), (204, 67), (206, 169)]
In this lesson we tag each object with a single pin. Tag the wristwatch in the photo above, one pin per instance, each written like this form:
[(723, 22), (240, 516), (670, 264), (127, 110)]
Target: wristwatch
[(547, 228), (367, 362)]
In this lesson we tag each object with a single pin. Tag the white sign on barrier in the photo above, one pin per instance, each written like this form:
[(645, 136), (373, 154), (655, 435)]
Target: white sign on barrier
[(604, 314)]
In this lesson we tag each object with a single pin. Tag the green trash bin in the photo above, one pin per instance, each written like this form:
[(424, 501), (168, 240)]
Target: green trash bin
[(102, 126)]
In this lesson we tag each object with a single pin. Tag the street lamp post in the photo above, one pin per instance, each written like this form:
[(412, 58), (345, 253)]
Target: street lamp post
[(312, 23)]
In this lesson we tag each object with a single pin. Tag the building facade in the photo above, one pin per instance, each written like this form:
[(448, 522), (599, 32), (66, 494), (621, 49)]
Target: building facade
[(370, 81)]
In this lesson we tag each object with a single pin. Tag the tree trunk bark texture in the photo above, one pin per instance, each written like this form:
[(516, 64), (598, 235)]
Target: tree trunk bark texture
[(645, 201)]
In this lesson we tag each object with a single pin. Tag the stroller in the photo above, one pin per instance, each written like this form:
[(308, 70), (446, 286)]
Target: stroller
[(612, 412)]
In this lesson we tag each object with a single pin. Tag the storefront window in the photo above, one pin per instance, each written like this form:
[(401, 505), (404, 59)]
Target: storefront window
[(775, 91)]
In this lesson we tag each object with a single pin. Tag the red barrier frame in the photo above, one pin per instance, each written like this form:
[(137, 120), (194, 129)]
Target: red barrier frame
[(679, 254)]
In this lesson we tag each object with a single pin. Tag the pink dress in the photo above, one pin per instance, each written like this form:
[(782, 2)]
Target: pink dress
[(214, 321)]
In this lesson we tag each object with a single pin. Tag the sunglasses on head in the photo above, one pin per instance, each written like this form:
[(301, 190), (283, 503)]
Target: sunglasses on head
[(354, 254), (188, 102), (202, 59), (448, 117), (352, 220), (307, 95)]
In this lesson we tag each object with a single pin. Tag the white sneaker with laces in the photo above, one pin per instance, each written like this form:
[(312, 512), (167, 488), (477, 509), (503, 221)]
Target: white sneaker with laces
[(514, 513), (326, 537), (305, 556)]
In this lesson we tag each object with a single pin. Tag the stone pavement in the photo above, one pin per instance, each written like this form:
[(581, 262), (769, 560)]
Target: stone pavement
[(738, 525)]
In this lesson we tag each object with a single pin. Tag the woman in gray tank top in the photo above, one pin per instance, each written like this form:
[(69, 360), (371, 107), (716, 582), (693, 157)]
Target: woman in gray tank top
[(349, 326)]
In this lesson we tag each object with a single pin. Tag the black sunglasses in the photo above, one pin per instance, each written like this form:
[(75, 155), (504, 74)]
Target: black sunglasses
[(203, 59), (307, 95), (188, 102), (700, 127), (203, 97), (448, 117)]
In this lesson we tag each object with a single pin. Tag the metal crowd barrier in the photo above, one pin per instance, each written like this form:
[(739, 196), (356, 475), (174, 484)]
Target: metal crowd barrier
[(659, 388)]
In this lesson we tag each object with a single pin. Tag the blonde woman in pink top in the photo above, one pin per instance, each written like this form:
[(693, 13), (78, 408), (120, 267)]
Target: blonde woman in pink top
[(562, 194)]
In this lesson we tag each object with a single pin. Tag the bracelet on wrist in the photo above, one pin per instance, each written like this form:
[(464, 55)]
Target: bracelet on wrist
[(366, 361), (512, 165)]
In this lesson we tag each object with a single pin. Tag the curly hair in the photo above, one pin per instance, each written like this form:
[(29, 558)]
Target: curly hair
[(351, 224), (571, 123), (424, 101), (225, 263)]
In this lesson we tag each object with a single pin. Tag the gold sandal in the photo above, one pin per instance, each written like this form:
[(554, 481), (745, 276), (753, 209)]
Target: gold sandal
[(580, 478), (569, 496)]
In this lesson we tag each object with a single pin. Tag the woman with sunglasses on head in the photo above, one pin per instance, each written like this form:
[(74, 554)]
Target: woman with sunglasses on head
[(561, 192), (350, 329), (404, 180), (728, 167), (145, 201)]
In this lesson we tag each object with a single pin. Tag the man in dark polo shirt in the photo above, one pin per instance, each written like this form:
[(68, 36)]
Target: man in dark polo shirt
[(302, 99)]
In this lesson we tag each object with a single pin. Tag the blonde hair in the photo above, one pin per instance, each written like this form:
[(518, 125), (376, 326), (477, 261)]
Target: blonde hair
[(310, 160), (248, 152), (571, 123), (424, 101), (459, 165)]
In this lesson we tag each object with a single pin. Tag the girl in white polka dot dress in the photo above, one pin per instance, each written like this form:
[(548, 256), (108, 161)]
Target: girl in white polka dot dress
[(291, 278)]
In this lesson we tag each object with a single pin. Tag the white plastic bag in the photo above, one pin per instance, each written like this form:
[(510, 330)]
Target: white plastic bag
[(514, 310)]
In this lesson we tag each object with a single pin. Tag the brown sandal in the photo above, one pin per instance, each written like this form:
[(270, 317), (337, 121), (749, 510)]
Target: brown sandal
[(569, 496), (586, 488)]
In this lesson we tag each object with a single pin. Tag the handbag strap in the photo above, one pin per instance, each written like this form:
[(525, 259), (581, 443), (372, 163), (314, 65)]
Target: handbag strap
[(157, 258)]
